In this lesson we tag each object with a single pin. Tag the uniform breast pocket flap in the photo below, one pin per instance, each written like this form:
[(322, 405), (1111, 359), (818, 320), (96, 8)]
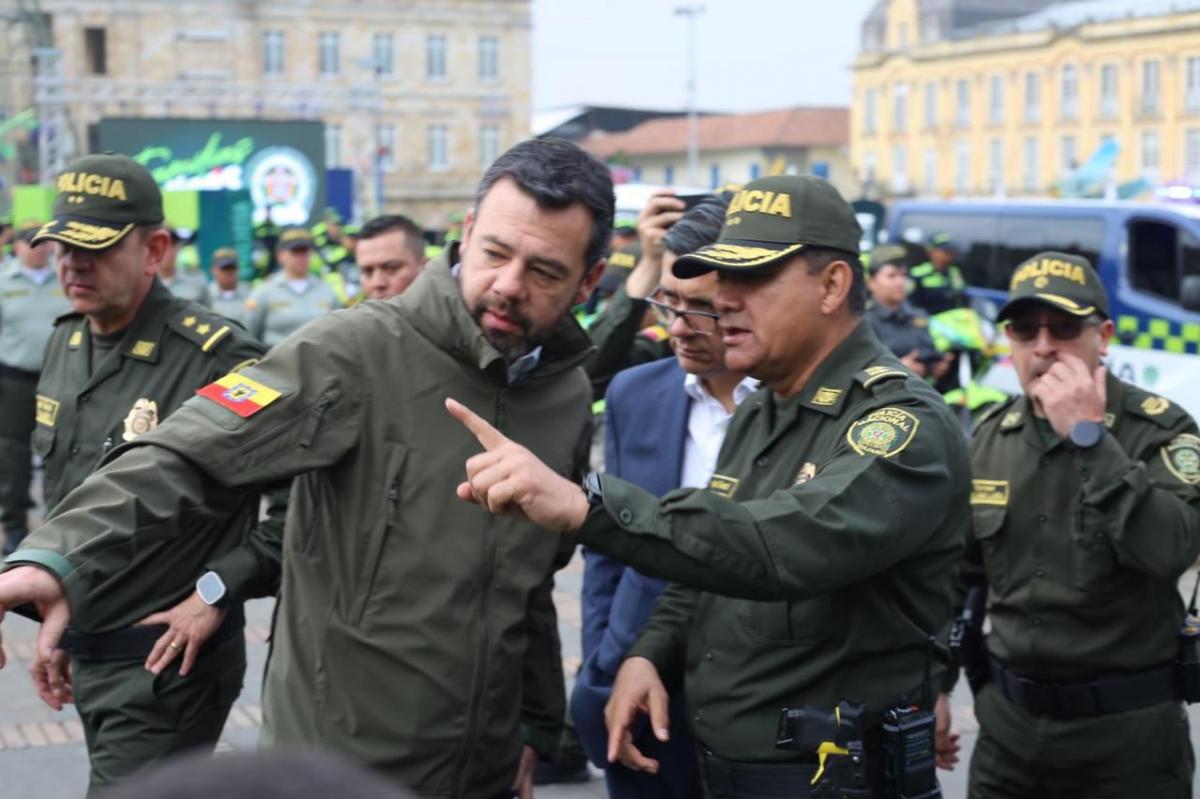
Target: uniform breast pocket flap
[(987, 526), (802, 623), (42, 440)]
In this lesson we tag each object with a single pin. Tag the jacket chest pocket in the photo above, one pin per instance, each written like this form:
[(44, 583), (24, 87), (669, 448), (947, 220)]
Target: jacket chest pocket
[(987, 526), (42, 440), (369, 553), (1093, 560), (803, 623)]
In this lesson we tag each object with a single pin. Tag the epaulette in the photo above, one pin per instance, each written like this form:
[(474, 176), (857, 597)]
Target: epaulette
[(1152, 407), (878, 374), (993, 413), (65, 317), (204, 329)]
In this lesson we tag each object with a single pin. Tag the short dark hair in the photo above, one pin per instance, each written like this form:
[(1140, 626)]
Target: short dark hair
[(817, 258), (558, 174), (391, 222), (700, 226)]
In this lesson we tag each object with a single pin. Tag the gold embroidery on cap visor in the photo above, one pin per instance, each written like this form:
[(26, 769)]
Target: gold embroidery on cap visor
[(1068, 305), (85, 235), (740, 256)]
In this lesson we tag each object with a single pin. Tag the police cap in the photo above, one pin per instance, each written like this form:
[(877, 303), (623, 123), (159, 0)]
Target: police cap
[(1064, 282), (100, 199)]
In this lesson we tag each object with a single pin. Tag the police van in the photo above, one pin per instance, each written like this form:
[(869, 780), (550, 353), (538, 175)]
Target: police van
[(1147, 255)]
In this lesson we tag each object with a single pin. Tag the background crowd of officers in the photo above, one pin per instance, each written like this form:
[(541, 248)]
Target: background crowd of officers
[(786, 512)]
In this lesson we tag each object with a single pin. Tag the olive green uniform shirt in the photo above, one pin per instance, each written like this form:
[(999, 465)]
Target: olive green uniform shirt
[(818, 562), (1082, 548), (275, 310), (188, 285), (89, 404), (27, 311)]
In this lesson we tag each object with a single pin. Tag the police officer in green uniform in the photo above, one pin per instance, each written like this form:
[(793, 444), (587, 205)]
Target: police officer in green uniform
[(1086, 512), (30, 298), (293, 296), (187, 284), (226, 295), (937, 284), (817, 565), (902, 328), (126, 356)]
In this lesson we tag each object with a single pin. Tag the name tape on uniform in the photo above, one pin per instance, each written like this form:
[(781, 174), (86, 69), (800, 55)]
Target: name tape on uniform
[(989, 492), (240, 394)]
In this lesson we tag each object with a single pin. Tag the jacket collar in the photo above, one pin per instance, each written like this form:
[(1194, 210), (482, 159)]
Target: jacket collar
[(435, 307), (826, 390)]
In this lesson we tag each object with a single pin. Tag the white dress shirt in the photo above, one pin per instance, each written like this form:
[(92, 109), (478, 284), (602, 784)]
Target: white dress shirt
[(707, 423)]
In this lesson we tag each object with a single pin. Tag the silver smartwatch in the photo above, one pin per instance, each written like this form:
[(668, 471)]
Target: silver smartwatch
[(211, 589)]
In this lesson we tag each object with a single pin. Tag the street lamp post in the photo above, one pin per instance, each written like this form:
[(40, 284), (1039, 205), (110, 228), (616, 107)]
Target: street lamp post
[(693, 144)]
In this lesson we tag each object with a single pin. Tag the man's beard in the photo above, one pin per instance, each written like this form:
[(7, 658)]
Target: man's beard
[(510, 345)]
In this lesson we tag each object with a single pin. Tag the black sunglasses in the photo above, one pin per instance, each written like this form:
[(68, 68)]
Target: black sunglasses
[(1061, 328)]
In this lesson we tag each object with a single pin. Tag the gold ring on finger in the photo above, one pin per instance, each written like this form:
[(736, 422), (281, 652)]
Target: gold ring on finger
[(174, 644)]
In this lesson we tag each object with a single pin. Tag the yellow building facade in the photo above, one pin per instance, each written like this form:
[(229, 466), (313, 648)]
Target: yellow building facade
[(1014, 107)]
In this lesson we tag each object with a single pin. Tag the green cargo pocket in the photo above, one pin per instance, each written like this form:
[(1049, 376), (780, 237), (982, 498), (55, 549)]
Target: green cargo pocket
[(369, 555), (987, 523), (42, 440)]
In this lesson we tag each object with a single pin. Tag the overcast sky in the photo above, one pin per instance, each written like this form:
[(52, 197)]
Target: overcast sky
[(751, 54)]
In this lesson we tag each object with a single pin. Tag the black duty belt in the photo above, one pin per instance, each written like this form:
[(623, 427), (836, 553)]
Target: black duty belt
[(733, 778), (23, 375), (1098, 697), (135, 643)]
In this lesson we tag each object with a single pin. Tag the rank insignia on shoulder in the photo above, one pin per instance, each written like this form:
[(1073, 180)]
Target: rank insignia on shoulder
[(75, 340), (883, 433), (989, 492), (826, 396), (1011, 419), (240, 394), (723, 486), (142, 418), (1182, 458), (143, 349), (1153, 406)]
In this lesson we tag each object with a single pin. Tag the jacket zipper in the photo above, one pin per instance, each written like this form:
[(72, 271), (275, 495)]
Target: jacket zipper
[(318, 410), (479, 683)]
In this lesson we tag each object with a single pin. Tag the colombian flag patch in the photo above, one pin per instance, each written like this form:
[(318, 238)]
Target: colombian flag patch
[(240, 394)]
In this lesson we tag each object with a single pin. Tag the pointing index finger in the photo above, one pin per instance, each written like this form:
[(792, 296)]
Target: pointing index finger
[(488, 436)]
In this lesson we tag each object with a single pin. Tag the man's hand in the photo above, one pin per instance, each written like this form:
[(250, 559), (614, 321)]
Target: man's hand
[(30, 584), (914, 363), (1069, 392), (52, 678), (945, 739), (190, 624), (523, 784), (507, 478), (637, 689), (661, 211)]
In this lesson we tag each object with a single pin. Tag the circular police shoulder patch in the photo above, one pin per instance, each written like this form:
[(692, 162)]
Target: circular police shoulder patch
[(884, 432), (1182, 458)]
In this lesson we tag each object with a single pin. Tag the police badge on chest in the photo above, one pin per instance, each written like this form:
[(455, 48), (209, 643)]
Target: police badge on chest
[(142, 418)]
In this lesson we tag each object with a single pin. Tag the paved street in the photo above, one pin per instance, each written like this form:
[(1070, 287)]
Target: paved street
[(42, 757)]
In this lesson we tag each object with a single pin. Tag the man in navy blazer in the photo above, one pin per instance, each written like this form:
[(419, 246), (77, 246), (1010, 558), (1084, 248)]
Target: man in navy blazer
[(664, 422)]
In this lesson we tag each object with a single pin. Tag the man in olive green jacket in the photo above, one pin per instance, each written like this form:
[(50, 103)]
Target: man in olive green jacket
[(414, 633), (1086, 511)]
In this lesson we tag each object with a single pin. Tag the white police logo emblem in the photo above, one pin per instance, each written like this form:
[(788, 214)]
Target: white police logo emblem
[(283, 179)]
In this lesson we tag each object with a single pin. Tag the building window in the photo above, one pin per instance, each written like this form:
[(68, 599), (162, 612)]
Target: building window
[(1192, 85), (438, 156), (902, 31), (669, 174), (714, 176), (996, 165), (962, 167), (435, 56), (870, 168), (929, 161), (272, 52), (330, 49), (1151, 155), (489, 145), (1108, 91), (1191, 156), (869, 111), (899, 169), (1151, 87), (931, 109), (489, 57), (900, 107), (996, 100), (383, 48), (95, 50), (387, 147), (333, 145), (1070, 92), (1032, 177), (755, 171), (1069, 158), (1033, 97), (962, 104)]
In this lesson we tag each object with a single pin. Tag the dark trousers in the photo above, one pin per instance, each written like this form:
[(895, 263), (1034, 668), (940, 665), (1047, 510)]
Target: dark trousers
[(132, 719), (1138, 753), (18, 393)]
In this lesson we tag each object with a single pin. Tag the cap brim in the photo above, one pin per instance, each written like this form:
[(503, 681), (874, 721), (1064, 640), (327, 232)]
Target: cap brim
[(1055, 301), (296, 245), (733, 256), (87, 234), (223, 264)]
